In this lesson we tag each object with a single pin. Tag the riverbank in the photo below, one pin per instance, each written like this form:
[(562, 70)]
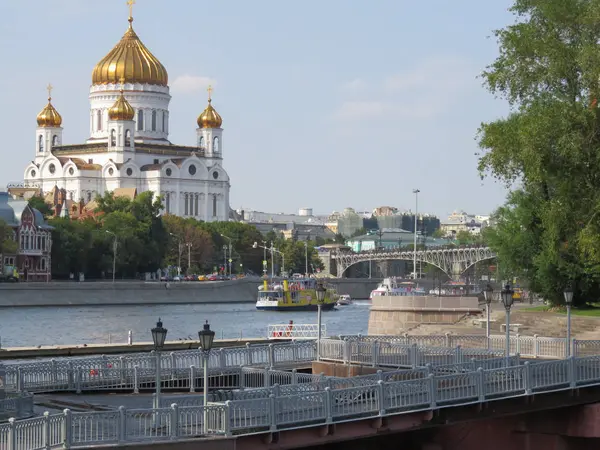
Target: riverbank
[(56, 351), (106, 293)]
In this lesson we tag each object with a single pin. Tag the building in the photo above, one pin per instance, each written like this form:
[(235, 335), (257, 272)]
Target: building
[(346, 223), (33, 236), (461, 221), (390, 239), (391, 217), (128, 144)]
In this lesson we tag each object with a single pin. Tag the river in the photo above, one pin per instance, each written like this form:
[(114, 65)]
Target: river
[(33, 326)]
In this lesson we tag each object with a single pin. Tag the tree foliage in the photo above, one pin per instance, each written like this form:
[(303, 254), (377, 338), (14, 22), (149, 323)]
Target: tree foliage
[(548, 148), (38, 202), (7, 244)]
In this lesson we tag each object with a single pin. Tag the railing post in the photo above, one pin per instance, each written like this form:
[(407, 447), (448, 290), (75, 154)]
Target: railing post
[(248, 354), (136, 384), (175, 421), (381, 397), (12, 434), (480, 383), (347, 351), (53, 370), (527, 378), (536, 346), (122, 369), (71, 376), (428, 368), (447, 339), (20, 382), (295, 352), (276, 391), (173, 365), (294, 376), (375, 353), (517, 343), (267, 377), (380, 375), (67, 429), (272, 361), (122, 435), (414, 355), (575, 347), (78, 381), (272, 412), (242, 378), (46, 429), (458, 355), (130, 337), (572, 372), (227, 418), (192, 378), (432, 391), (328, 411)]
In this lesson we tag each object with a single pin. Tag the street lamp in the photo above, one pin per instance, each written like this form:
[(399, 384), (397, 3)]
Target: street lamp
[(488, 292), (568, 293), (230, 258), (306, 258), (189, 247), (507, 301), (416, 192), (114, 253), (206, 337), (159, 334), (320, 300), (178, 253)]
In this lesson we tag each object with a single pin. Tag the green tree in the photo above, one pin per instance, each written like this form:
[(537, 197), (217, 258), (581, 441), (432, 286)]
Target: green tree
[(183, 232), (438, 234), (7, 244), (37, 202), (548, 69)]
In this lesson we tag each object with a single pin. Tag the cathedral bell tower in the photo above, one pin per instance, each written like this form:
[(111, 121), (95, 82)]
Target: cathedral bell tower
[(209, 132), (121, 128), (48, 133)]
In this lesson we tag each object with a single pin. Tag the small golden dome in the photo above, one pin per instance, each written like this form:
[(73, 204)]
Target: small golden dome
[(131, 60), (49, 116), (121, 110), (209, 118)]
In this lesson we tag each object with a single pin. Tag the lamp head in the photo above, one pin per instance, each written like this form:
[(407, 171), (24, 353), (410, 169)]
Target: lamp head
[(159, 334), (206, 337), (255, 245), (568, 293), (321, 293), (488, 293), (507, 297)]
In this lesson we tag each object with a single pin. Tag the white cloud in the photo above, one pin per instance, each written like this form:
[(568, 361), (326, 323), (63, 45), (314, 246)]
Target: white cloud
[(354, 85), (188, 84), (360, 110), (424, 91)]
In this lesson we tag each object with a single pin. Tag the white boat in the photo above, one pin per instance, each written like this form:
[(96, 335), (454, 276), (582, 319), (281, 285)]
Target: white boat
[(390, 286), (343, 300)]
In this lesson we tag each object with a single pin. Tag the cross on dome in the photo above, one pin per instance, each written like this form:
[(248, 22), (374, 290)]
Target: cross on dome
[(49, 89), (209, 89), (130, 3)]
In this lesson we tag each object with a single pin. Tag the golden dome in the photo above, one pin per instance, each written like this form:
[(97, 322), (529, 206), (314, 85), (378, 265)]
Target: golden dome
[(121, 110), (131, 60), (49, 116), (209, 118)]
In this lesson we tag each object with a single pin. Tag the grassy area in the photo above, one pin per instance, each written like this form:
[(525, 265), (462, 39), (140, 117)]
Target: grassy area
[(591, 310)]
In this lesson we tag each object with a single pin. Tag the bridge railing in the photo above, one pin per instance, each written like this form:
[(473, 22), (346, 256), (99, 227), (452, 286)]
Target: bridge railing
[(376, 398)]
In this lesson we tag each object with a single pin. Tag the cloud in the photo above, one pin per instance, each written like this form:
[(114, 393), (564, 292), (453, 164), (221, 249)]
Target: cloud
[(429, 88), (355, 110), (354, 85), (188, 84)]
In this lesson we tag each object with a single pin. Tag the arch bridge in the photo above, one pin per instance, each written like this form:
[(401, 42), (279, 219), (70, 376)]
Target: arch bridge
[(453, 261)]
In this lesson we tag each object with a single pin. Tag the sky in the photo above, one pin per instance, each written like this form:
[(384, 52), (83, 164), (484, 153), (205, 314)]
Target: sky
[(325, 104)]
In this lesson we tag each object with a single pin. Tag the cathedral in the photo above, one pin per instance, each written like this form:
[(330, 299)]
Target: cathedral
[(128, 146)]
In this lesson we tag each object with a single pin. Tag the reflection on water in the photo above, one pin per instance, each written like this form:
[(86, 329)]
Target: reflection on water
[(32, 326)]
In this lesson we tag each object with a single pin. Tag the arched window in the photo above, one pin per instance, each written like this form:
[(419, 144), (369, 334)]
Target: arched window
[(99, 120), (201, 142), (113, 137), (214, 205), (154, 120), (41, 143), (128, 138), (54, 140), (185, 203), (140, 120), (216, 145), (164, 121), (168, 202)]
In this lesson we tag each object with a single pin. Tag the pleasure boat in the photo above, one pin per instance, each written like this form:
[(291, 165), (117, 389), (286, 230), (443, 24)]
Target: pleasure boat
[(297, 295), (390, 286), (344, 300)]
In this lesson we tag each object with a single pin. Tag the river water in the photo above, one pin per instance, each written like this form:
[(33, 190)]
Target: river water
[(33, 326)]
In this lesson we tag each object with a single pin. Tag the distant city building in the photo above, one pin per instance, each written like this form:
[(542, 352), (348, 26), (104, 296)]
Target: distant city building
[(32, 260), (302, 226), (461, 221), (346, 223), (391, 217), (389, 239)]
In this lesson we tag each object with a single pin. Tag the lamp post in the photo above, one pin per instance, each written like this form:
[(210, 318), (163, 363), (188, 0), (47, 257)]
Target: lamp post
[(189, 247), (224, 260), (487, 294), (568, 293), (159, 334), (206, 337), (320, 300), (306, 258), (272, 261), (114, 254), (507, 301), (178, 253), (230, 253), (264, 258), (416, 192)]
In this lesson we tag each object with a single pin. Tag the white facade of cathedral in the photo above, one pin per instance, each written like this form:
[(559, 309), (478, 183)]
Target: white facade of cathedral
[(128, 145)]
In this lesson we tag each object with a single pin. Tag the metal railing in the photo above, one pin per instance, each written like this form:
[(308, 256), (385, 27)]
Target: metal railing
[(377, 395), (296, 331), (16, 404)]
